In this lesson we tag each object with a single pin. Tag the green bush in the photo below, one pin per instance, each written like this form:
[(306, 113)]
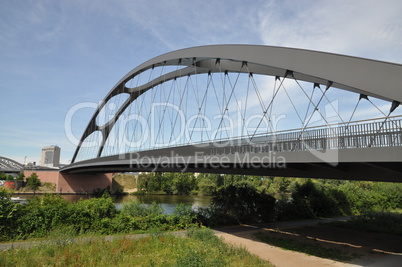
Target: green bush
[(33, 182), (240, 202), (7, 214), (311, 200), (183, 215), (39, 216), (382, 222), (86, 215), (137, 209), (42, 217), (365, 197)]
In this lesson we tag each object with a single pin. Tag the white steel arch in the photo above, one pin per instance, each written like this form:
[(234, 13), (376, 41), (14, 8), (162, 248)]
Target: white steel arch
[(364, 76)]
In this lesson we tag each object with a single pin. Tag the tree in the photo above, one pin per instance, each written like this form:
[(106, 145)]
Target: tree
[(206, 186), (154, 182), (167, 182), (6, 177), (183, 183), (3, 176), (242, 202), (142, 182), (33, 182), (20, 176), (216, 179), (311, 200)]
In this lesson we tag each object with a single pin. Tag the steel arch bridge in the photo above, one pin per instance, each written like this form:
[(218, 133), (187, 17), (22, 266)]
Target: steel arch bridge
[(10, 166), (219, 108)]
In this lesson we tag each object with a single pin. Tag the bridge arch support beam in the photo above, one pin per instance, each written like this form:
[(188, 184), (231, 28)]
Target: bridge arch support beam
[(364, 76)]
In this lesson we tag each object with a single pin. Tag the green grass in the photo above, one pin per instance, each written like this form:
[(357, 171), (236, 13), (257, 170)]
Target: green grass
[(124, 181), (198, 248), (304, 247), (380, 222)]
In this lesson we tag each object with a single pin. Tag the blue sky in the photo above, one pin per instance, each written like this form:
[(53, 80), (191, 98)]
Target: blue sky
[(57, 54)]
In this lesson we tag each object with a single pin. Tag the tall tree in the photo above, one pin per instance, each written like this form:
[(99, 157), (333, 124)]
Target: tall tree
[(33, 182)]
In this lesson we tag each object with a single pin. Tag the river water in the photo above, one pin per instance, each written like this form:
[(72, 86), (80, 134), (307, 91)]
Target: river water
[(168, 202)]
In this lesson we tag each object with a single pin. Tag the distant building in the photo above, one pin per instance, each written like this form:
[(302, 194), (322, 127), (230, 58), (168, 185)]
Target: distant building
[(50, 156)]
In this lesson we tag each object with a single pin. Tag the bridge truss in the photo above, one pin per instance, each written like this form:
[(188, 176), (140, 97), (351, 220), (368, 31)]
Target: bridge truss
[(10, 166)]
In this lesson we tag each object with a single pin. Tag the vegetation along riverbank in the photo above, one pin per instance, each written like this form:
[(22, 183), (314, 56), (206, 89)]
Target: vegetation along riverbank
[(235, 199)]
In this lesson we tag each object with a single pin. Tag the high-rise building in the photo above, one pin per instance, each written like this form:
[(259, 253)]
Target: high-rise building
[(50, 156)]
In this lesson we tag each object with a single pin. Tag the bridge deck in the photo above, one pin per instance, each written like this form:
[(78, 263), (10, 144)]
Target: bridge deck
[(360, 150)]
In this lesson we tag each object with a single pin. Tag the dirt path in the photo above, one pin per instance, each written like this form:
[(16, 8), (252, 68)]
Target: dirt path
[(243, 236), (275, 255)]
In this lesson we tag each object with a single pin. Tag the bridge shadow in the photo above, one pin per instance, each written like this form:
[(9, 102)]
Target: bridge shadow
[(362, 247)]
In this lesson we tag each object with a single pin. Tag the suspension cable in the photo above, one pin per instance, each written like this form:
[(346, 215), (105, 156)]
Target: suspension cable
[(315, 108), (265, 110), (164, 112), (200, 106), (245, 109), (309, 103), (223, 81), (294, 107), (227, 103), (180, 104)]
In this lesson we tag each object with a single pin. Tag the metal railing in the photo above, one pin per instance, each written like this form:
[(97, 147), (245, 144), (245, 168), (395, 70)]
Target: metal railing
[(359, 134)]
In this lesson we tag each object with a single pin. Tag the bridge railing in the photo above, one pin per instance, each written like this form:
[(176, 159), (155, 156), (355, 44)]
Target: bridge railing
[(359, 134)]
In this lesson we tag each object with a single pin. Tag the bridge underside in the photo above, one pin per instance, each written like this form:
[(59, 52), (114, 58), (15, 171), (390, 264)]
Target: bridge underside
[(369, 164)]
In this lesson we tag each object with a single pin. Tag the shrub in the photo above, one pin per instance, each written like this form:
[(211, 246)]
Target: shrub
[(39, 216), (183, 215), (86, 215), (137, 209), (7, 214), (310, 201), (33, 182), (382, 222), (240, 202)]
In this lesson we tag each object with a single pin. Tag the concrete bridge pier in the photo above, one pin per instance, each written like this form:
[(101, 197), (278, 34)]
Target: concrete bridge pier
[(74, 183)]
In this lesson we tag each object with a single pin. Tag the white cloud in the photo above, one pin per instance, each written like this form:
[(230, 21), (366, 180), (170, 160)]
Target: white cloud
[(360, 28), (65, 49)]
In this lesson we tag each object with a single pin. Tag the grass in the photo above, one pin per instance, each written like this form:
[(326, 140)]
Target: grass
[(198, 248), (380, 222), (304, 247), (124, 181)]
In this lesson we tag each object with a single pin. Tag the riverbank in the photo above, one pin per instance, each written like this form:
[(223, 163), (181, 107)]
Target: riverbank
[(243, 236), (49, 193), (191, 248)]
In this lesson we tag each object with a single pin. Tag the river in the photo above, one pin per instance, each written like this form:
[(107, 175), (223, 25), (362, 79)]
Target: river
[(168, 202)]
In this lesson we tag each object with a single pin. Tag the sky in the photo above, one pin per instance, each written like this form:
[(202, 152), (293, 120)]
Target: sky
[(55, 55)]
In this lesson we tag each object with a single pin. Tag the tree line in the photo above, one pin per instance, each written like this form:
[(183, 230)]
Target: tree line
[(235, 199), (204, 183), (31, 182), (360, 195), (241, 198)]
